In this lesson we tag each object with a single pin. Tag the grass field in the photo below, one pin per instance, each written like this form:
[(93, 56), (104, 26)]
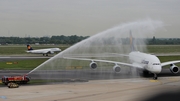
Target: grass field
[(163, 48), (31, 64), (21, 64)]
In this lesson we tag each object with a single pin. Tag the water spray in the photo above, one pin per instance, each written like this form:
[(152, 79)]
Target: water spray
[(112, 40)]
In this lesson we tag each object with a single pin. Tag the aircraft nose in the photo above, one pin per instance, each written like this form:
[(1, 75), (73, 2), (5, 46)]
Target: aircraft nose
[(157, 69)]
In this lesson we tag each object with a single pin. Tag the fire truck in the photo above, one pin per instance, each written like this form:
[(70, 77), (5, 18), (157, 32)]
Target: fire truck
[(15, 79)]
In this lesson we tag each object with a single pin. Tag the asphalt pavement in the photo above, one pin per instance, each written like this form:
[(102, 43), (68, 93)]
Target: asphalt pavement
[(87, 74)]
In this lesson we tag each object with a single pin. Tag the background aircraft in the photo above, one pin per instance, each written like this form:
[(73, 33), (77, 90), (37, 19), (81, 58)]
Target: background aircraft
[(148, 63), (42, 51)]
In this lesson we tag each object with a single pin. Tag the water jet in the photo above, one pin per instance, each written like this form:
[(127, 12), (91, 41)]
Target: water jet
[(113, 40)]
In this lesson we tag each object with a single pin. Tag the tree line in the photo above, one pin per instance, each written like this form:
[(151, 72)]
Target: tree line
[(42, 40), (74, 39), (163, 41)]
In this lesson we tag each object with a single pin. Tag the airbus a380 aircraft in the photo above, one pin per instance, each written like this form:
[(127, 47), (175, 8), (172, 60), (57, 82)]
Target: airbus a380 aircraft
[(42, 51), (143, 61)]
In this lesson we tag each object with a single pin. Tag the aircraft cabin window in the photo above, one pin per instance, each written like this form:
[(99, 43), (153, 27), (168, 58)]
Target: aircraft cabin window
[(156, 63)]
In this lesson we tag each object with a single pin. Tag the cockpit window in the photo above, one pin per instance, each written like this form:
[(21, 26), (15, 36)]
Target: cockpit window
[(156, 64), (145, 62)]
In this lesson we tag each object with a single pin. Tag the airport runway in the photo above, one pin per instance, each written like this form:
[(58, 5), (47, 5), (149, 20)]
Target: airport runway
[(87, 74), (19, 57), (101, 86), (136, 89)]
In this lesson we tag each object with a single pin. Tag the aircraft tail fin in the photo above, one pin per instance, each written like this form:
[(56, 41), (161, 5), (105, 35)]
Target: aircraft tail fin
[(131, 41), (29, 47)]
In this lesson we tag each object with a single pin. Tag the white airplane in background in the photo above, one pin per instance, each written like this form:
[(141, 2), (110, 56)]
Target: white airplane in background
[(143, 61), (42, 51)]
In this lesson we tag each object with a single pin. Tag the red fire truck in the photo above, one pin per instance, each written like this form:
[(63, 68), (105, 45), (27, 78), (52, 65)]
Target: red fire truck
[(15, 79)]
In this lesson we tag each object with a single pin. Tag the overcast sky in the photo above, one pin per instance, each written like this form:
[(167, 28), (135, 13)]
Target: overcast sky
[(83, 17)]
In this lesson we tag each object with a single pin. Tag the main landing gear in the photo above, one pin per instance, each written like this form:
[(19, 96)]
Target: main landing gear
[(155, 76), (149, 74), (45, 54)]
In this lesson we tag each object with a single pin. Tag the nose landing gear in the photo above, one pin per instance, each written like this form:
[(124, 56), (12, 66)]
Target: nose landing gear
[(155, 76)]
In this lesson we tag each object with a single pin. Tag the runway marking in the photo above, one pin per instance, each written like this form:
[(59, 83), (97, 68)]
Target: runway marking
[(157, 81), (166, 80), (154, 80), (174, 79), (74, 67)]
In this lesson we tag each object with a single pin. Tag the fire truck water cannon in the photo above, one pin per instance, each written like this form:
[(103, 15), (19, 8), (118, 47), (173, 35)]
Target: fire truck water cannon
[(16, 79)]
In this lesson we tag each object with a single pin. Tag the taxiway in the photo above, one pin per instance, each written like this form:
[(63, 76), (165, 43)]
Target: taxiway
[(137, 89)]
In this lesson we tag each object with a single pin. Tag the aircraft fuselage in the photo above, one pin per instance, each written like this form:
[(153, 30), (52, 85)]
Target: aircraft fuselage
[(148, 62)]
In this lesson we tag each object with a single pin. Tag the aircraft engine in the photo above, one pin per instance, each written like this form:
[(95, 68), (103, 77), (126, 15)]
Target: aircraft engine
[(93, 65), (174, 69), (117, 68)]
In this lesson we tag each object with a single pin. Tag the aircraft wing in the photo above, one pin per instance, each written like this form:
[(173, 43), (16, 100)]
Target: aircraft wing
[(106, 61), (117, 54), (44, 52), (170, 62)]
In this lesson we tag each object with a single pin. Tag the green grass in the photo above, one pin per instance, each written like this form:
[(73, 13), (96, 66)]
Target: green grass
[(21, 64), (33, 63), (168, 58), (163, 48), (9, 50)]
